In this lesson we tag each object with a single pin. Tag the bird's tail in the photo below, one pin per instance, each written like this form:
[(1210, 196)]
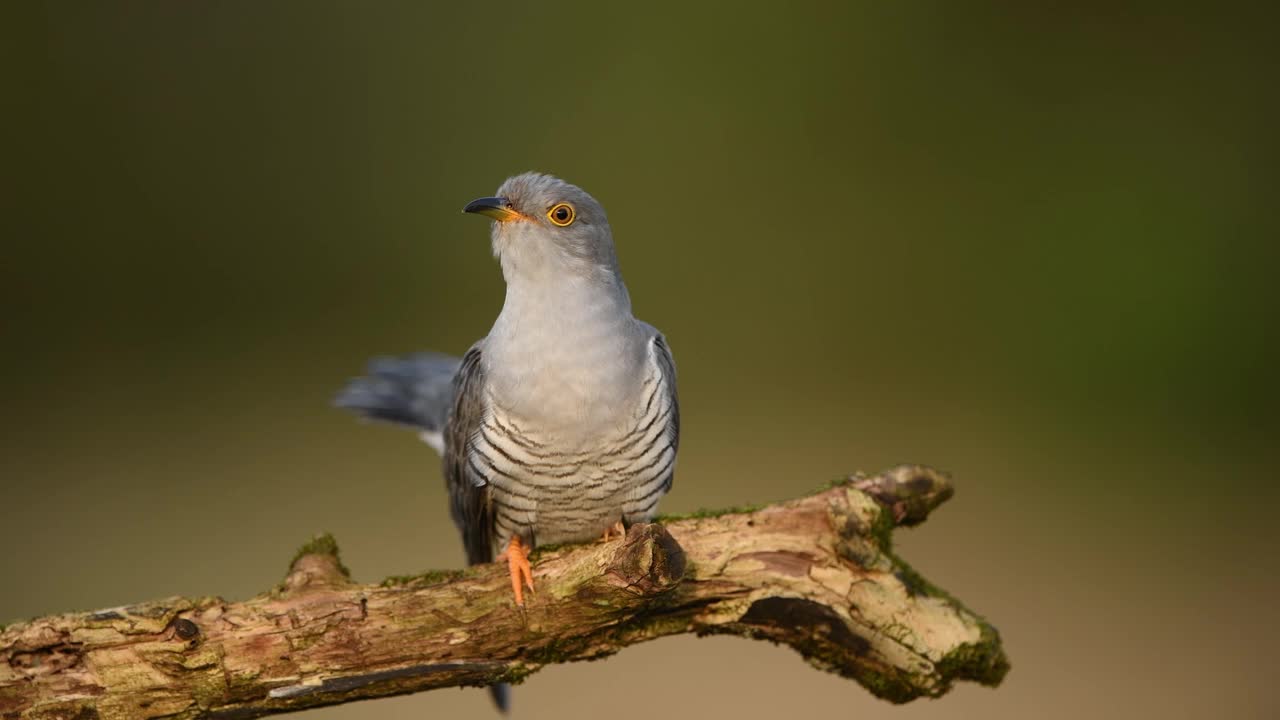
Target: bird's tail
[(414, 390), (501, 694)]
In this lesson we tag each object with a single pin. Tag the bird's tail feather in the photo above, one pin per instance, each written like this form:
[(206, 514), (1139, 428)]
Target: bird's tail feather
[(414, 390), (501, 694)]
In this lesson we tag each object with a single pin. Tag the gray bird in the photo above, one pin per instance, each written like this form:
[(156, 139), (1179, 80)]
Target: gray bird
[(562, 424)]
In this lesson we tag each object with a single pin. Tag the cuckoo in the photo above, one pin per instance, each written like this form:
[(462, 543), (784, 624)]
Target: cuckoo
[(562, 424)]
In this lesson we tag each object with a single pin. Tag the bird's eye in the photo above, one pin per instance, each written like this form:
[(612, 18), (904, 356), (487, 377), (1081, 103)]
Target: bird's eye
[(561, 215)]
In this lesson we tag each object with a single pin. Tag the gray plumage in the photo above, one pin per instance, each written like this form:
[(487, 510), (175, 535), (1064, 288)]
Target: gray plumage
[(416, 390), (564, 419)]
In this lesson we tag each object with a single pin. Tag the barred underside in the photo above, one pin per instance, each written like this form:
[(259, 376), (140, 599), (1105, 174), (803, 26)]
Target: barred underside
[(549, 495)]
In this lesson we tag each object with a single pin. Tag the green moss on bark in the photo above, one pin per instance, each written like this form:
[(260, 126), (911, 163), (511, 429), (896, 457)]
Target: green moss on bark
[(837, 482), (887, 686), (425, 579), (709, 513), (324, 544), (982, 662), (514, 674)]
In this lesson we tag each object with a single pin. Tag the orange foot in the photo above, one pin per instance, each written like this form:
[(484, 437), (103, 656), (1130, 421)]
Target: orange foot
[(517, 557), (615, 530)]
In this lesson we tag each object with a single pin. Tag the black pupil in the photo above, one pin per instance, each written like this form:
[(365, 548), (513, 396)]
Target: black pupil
[(562, 214)]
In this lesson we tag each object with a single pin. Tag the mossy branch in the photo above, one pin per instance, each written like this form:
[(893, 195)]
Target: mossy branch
[(815, 573)]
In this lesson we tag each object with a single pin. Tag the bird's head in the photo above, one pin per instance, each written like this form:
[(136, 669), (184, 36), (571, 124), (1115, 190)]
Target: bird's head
[(545, 227)]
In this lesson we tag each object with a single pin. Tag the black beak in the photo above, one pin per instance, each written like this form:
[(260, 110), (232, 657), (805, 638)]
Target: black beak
[(498, 208)]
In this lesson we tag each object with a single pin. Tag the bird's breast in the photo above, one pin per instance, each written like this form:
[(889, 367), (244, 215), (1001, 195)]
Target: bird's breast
[(575, 382), (568, 485)]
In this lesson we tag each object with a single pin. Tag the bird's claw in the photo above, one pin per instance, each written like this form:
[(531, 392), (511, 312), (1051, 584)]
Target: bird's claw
[(517, 557), (615, 530)]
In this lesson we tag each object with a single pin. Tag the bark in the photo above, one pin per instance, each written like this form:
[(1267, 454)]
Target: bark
[(817, 574)]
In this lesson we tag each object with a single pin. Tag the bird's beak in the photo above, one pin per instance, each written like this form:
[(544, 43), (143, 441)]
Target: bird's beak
[(498, 208)]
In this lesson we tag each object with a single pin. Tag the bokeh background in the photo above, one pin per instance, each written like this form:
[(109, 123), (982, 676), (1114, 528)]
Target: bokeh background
[(1033, 246)]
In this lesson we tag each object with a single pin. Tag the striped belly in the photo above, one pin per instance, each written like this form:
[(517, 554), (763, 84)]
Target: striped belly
[(556, 492)]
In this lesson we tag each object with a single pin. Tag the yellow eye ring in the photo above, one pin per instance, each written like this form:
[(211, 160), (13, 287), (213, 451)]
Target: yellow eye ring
[(561, 215)]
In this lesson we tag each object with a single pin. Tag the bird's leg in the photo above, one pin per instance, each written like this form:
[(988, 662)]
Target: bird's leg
[(615, 530), (517, 557)]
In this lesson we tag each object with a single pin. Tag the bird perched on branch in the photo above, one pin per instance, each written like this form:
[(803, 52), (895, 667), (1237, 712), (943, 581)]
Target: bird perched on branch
[(562, 424)]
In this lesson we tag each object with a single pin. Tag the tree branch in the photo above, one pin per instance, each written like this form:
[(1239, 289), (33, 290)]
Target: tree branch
[(816, 573)]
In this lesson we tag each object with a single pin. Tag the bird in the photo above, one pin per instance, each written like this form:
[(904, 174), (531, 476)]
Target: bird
[(562, 424)]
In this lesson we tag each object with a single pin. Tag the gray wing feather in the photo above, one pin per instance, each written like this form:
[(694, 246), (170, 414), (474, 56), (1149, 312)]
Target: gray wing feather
[(414, 390), (667, 365), (469, 501)]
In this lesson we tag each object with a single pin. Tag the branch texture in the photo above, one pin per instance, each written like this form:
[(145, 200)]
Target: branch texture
[(817, 574)]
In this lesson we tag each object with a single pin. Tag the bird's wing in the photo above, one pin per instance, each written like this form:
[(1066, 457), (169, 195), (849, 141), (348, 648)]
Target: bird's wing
[(414, 390), (667, 369), (667, 365), (469, 501)]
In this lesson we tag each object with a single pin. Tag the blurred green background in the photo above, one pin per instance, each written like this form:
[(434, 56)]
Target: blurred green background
[(1033, 246)]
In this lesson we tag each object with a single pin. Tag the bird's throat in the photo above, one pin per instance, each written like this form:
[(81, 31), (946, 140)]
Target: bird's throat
[(564, 353)]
